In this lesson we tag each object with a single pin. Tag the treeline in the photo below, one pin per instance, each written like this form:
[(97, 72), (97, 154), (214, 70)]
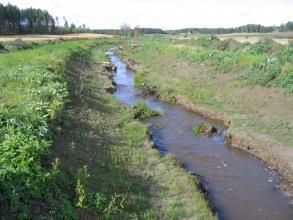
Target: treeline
[(33, 21), (122, 31), (249, 28)]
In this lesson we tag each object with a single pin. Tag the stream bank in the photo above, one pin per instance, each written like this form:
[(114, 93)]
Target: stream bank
[(239, 185)]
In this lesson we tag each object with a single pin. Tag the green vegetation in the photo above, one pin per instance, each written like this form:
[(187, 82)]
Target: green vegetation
[(266, 63), (31, 97), (19, 44), (203, 129), (139, 78), (69, 150), (197, 129), (142, 111)]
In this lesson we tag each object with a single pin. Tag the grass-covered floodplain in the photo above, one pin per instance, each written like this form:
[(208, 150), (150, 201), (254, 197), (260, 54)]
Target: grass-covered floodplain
[(69, 150), (246, 86)]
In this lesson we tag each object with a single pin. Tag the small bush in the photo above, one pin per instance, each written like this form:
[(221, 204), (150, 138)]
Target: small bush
[(2, 47), (197, 128), (142, 111), (208, 41), (285, 81), (204, 129), (263, 46)]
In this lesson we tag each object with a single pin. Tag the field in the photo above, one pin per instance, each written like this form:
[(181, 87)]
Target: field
[(69, 150), (281, 37), (248, 87), (43, 37)]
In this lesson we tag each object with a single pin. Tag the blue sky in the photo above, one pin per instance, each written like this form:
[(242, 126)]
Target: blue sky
[(167, 14)]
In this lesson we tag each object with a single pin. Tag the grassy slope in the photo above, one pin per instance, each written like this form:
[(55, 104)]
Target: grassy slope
[(123, 179), (241, 83), (102, 171)]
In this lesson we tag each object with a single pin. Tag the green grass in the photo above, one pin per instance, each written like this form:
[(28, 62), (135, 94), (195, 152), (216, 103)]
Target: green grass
[(69, 150), (165, 83), (265, 59), (33, 91), (10, 46)]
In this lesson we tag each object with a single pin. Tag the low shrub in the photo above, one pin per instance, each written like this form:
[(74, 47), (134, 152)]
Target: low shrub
[(2, 47), (204, 129), (142, 111), (263, 46)]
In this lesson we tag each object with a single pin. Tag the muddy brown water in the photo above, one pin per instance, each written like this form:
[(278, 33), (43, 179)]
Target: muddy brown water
[(239, 185)]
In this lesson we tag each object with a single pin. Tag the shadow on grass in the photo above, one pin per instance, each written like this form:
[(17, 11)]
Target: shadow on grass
[(88, 136)]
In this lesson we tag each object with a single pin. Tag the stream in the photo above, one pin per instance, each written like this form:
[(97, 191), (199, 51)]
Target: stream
[(239, 185)]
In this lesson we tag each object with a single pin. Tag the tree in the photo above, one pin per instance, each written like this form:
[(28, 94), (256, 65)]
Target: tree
[(289, 26), (72, 28), (125, 28), (29, 21), (12, 17), (136, 31), (2, 18)]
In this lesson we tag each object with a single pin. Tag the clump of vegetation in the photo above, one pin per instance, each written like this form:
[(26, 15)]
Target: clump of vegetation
[(139, 78), (204, 129), (2, 47), (263, 46), (142, 111), (273, 70), (227, 44)]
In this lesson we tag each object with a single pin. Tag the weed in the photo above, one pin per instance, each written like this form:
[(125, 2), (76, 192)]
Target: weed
[(142, 111), (139, 78), (203, 129), (197, 128)]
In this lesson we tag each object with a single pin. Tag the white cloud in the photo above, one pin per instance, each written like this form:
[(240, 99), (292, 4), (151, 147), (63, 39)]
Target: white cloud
[(167, 14)]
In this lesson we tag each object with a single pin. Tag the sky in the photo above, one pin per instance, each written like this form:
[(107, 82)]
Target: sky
[(166, 14)]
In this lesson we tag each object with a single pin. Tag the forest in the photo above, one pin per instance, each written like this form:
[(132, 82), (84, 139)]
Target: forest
[(33, 21)]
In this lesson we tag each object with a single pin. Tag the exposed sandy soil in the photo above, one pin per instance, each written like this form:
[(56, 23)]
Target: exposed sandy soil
[(254, 39), (282, 37), (39, 37)]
